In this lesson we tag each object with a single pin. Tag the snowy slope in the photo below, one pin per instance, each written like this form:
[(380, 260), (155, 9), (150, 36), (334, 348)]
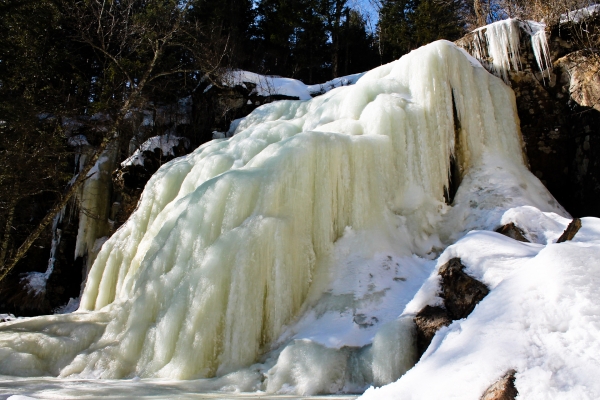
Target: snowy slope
[(274, 85), (541, 318)]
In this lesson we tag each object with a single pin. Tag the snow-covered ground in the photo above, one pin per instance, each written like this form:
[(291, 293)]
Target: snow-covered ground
[(579, 15), (273, 85), (541, 318)]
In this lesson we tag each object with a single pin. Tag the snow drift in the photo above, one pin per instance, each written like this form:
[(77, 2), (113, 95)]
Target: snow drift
[(297, 242), (541, 317)]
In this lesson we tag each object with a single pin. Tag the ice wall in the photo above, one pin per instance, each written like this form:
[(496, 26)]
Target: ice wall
[(231, 244)]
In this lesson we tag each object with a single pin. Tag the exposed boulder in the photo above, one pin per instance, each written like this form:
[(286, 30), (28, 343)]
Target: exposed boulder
[(461, 293), (428, 321), (215, 108), (513, 232), (503, 389), (133, 174)]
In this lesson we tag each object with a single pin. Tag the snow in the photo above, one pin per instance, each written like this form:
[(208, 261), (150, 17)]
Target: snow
[(579, 15), (273, 85), (541, 318), (322, 88), (71, 306), (165, 143), (500, 42), (280, 259), (7, 317), (35, 282), (78, 141)]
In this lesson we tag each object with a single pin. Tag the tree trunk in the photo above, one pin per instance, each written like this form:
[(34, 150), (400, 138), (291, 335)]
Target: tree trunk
[(479, 13), (9, 221), (335, 38)]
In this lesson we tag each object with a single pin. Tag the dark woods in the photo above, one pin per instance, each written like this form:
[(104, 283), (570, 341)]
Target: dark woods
[(67, 61)]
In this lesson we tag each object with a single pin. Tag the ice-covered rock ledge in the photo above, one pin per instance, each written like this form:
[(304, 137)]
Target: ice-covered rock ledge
[(500, 47)]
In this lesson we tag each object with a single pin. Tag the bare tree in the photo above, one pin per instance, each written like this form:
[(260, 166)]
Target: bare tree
[(136, 43)]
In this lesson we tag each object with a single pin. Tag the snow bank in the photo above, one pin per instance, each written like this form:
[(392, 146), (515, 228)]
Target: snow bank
[(297, 242), (273, 85), (541, 318), (579, 15), (498, 44)]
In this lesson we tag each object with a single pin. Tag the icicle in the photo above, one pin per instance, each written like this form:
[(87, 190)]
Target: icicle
[(56, 236), (502, 39), (541, 50), (94, 199)]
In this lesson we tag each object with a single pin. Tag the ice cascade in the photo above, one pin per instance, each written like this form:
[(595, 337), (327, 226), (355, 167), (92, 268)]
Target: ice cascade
[(233, 246)]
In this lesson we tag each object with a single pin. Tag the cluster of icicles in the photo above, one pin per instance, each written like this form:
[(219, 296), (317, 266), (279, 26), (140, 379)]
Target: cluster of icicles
[(229, 244), (498, 45)]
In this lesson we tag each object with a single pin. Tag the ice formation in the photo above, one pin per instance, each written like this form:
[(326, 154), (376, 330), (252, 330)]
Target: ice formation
[(35, 282), (297, 242), (500, 42), (94, 202)]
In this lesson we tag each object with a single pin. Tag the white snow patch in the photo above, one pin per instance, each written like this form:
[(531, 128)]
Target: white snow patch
[(165, 143), (274, 85), (7, 317), (579, 15)]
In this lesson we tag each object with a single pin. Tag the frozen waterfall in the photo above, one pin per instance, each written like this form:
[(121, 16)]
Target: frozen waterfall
[(293, 246)]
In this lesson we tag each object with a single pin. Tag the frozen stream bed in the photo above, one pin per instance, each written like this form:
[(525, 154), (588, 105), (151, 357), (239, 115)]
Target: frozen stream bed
[(53, 388)]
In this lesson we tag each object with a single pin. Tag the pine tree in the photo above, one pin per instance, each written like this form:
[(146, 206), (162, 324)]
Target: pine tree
[(405, 25)]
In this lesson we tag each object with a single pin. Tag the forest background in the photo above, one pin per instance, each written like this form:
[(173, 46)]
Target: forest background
[(62, 59)]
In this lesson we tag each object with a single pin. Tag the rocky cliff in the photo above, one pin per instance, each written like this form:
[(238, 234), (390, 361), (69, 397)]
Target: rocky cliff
[(559, 109)]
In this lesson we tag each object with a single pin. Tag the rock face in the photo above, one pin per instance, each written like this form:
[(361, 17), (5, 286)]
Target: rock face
[(461, 293), (503, 389), (429, 320), (129, 180), (560, 113)]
